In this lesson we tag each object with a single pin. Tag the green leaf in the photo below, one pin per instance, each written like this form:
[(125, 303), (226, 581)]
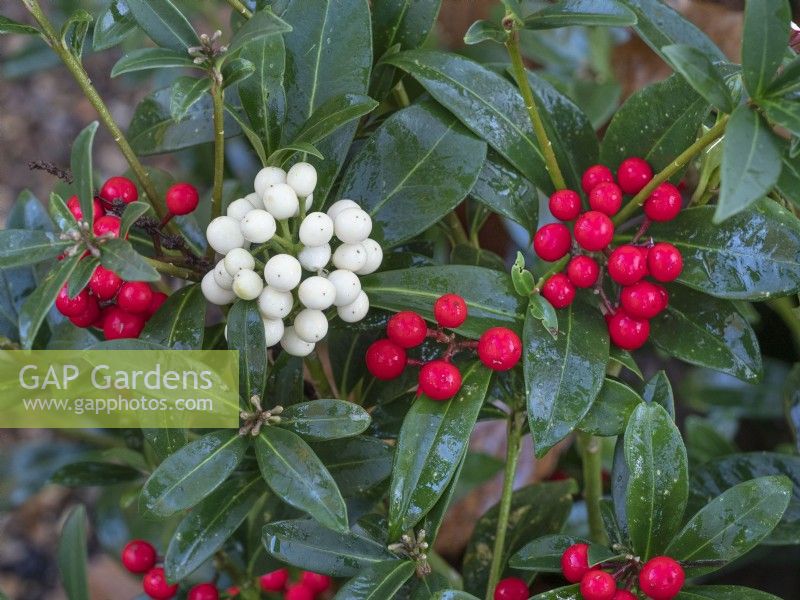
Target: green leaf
[(178, 324), (81, 166), (704, 442), (143, 59), (282, 155), (503, 190), (751, 163), (399, 170), (658, 390), (192, 473), (569, 13), (298, 477), (732, 524), (609, 413), (785, 113), (536, 510), (701, 74), (563, 375), (237, 70), (791, 402), (487, 103), (722, 592), (91, 473), (74, 30), (251, 135), (714, 477), (377, 582), (186, 92), (787, 81), (81, 276), (656, 123), (72, 552), (20, 247), (490, 296), (658, 485), (624, 359), (119, 256), (356, 464), (453, 595), (543, 554), (485, 31), (764, 40), (751, 256), (307, 545), (132, 212), (10, 26), (404, 22), (333, 114), (206, 529), (59, 213), (524, 283), (165, 442), (432, 441), (325, 419), (164, 23), (246, 334), (262, 95), (570, 592), (708, 332), (539, 308), (113, 25), (264, 23)]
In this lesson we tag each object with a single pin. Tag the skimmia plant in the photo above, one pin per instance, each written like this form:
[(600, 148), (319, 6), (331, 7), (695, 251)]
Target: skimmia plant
[(374, 331)]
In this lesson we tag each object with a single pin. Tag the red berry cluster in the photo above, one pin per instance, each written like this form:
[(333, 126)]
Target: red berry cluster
[(591, 255), (660, 578), (139, 557), (310, 586), (498, 348), (511, 588)]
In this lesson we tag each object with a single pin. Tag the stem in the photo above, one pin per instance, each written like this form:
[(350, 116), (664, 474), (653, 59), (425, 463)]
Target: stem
[(173, 270), (676, 165), (240, 8), (552, 269), (786, 310), (455, 227), (515, 425), (319, 377), (218, 101), (520, 76), (84, 82), (589, 449)]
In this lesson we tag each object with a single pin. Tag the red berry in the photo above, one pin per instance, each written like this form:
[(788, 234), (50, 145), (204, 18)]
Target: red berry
[(598, 585), (316, 581), (552, 241), (138, 556), (107, 224), (134, 296), (89, 316), (182, 198), (156, 586), (633, 174), (119, 324), (204, 591), (450, 311), (72, 307), (627, 264), (511, 588), (119, 188), (565, 205), (274, 581), (624, 595), (661, 578), (439, 380), (499, 348), (643, 300), (595, 175), (583, 271), (74, 206), (606, 198), (386, 360), (104, 283), (594, 231), (559, 291), (232, 591), (575, 562), (664, 203), (155, 303), (664, 262), (299, 591), (627, 332), (407, 329)]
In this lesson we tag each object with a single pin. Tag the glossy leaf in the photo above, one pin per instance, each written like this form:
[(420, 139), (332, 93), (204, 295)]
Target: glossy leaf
[(72, 553), (563, 375), (298, 477), (523, 280), (569, 13), (658, 390), (325, 419), (356, 464), (791, 403), (113, 25), (235, 71), (784, 112), (764, 40), (539, 308), (165, 442), (453, 595), (59, 213), (263, 23), (119, 256), (91, 473), (570, 592), (143, 59), (262, 94), (787, 81), (10, 26), (432, 441), (192, 473), (732, 524), (701, 74), (19, 247), (722, 592), (163, 21), (377, 582), (81, 167), (246, 334), (398, 171), (185, 93), (708, 332), (542, 554), (407, 23), (74, 30), (485, 31), (333, 114), (704, 442), (81, 275), (130, 215), (503, 190), (178, 324), (658, 486), (609, 413), (624, 359)]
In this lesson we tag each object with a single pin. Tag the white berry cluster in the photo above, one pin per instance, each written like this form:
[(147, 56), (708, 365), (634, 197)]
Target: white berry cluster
[(259, 226)]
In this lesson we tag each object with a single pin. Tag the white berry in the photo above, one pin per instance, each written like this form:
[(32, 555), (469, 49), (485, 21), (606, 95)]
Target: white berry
[(315, 258), (374, 257), (222, 277), (281, 201), (238, 259), (258, 226), (316, 292), (347, 286), (294, 345), (247, 284), (337, 207), (213, 292), (311, 325), (239, 208), (283, 272), (254, 199), (356, 310), (303, 178), (352, 225), (266, 177), (224, 235), (350, 256), (273, 331), (274, 304), (316, 229)]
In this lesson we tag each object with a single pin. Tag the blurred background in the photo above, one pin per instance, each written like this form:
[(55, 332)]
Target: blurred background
[(41, 111)]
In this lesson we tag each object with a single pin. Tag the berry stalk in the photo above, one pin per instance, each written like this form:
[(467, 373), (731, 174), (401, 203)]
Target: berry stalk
[(173, 270), (591, 459), (218, 102), (240, 8)]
